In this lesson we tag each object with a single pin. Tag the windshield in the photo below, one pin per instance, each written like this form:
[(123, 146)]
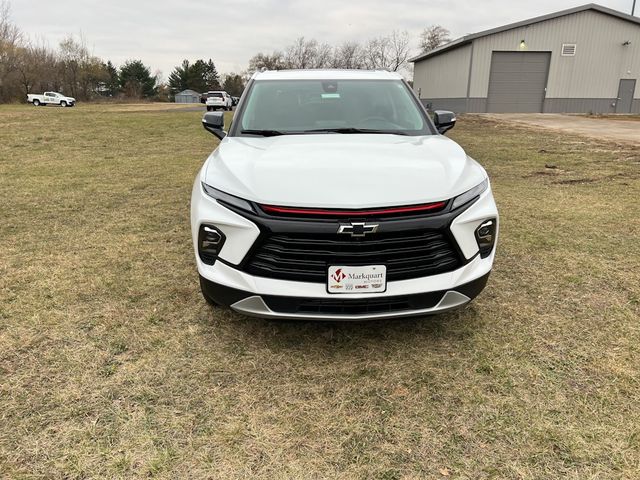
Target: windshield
[(281, 107)]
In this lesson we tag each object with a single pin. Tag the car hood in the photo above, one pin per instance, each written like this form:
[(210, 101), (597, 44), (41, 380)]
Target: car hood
[(342, 171)]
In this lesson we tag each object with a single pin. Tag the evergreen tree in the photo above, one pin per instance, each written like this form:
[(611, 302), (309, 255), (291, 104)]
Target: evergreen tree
[(200, 76), (211, 77), (197, 76), (112, 83), (233, 84), (136, 80), (179, 78)]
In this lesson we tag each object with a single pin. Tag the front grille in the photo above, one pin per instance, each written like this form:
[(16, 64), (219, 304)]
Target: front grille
[(306, 257)]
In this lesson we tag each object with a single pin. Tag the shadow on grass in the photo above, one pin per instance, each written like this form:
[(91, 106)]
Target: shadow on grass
[(290, 337)]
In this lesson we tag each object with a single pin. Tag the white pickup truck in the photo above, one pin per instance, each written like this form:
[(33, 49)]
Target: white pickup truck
[(53, 98)]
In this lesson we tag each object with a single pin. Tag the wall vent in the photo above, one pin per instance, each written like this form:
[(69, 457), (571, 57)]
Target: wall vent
[(569, 49)]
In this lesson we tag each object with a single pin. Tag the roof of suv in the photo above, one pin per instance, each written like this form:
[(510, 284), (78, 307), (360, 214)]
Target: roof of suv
[(326, 74)]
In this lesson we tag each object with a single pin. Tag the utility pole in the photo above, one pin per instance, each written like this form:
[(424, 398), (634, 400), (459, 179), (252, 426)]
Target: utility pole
[(633, 9)]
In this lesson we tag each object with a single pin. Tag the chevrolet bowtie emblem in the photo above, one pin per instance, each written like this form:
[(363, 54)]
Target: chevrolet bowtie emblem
[(356, 229)]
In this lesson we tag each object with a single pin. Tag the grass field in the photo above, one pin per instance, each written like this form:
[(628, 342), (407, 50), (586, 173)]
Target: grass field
[(112, 366)]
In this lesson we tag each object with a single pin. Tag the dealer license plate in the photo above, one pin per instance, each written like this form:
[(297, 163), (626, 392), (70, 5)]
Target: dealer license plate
[(369, 279)]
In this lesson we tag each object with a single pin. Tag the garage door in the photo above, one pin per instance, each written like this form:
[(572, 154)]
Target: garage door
[(517, 81)]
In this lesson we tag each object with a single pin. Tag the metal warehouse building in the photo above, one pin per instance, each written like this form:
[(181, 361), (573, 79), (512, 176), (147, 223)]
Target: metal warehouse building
[(585, 59)]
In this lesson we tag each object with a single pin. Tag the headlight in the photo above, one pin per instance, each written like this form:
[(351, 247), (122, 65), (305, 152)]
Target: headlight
[(469, 195), (210, 241), (226, 198)]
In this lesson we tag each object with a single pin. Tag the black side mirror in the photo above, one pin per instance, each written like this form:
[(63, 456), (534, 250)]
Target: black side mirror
[(213, 122), (444, 120)]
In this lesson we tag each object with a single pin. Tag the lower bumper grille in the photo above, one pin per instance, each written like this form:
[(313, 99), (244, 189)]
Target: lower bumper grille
[(306, 257), (342, 305)]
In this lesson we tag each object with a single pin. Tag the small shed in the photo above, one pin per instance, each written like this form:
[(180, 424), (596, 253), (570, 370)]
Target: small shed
[(187, 96)]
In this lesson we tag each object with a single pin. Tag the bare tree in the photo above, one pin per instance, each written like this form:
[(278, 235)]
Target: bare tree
[(432, 37), (260, 61), (73, 55), (323, 56), (302, 54), (399, 50), (10, 41), (388, 53), (8, 31), (81, 71), (376, 53), (37, 68), (348, 55)]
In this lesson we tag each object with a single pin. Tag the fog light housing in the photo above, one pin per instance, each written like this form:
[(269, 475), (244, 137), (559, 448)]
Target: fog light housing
[(210, 241), (486, 237)]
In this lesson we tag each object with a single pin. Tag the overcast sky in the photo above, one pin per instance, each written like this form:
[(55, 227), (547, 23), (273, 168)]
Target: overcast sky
[(163, 33)]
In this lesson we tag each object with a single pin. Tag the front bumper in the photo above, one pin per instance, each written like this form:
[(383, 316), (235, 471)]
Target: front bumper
[(343, 309), (227, 284)]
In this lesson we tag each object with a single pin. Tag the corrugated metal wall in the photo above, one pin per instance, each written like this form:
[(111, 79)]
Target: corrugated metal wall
[(587, 81), (444, 75), (187, 97), (600, 62)]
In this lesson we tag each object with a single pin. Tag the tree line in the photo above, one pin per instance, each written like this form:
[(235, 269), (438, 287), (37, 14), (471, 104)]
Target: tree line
[(27, 66), (388, 52), (202, 76), (31, 67)]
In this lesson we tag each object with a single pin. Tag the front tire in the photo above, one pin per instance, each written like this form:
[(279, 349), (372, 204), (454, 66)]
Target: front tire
[(63, 103)]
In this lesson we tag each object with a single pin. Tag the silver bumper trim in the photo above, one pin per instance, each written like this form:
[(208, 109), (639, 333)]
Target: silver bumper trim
[(254, 306)]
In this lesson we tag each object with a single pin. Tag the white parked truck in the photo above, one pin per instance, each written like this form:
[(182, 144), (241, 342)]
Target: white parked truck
[(51, 98)]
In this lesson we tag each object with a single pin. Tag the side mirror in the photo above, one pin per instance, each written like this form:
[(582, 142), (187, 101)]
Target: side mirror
[(444, 120), (213, 122)]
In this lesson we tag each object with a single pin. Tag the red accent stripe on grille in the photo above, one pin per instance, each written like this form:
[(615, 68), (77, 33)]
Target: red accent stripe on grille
[(352, 213)]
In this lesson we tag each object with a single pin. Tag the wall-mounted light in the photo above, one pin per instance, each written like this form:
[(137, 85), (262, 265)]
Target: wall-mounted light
[(523, 45), (627, 43)]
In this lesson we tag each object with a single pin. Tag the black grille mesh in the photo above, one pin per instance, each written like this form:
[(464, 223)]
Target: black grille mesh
[(306, 257)]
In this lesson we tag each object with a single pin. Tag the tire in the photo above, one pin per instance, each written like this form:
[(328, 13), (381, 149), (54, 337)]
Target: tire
[(209, 109), (207, 299), (63, 104), (36, 103)]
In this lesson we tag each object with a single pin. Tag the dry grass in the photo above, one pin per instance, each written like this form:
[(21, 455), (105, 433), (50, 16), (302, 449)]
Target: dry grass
[(112, 366)]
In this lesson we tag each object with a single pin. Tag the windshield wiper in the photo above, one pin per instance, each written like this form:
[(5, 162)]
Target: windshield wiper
[(355, 130), (263, 133)]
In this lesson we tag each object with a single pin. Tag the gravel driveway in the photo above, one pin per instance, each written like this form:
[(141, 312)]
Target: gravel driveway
[(608, 128)]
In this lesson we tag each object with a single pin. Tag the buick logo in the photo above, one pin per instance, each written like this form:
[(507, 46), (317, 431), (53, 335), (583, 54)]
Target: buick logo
[(356, 229)]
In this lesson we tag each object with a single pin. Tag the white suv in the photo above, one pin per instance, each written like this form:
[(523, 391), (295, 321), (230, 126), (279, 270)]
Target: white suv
[(217, 100), (334, 196)]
